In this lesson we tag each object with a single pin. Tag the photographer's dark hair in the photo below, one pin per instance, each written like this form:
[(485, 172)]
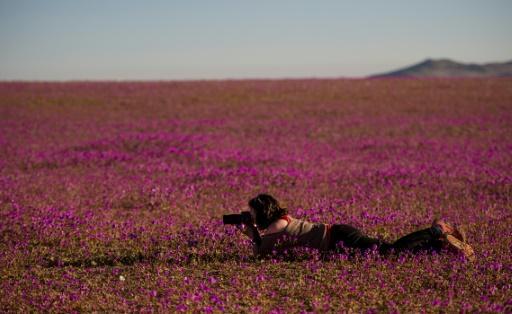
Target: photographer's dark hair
[(267, 210)]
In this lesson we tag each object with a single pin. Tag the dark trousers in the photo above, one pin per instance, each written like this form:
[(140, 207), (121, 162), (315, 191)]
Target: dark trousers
[(346, 236)]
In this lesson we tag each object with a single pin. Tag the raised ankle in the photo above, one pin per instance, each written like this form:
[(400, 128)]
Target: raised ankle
[(437, 231)]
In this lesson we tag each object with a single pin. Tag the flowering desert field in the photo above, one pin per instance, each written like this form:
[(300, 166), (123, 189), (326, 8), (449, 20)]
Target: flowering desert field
[(112, 193)]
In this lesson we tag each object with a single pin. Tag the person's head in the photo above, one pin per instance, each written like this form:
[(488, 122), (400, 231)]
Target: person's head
[(266, 210)]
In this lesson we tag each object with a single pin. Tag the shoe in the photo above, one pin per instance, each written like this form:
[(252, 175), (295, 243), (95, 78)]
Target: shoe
[(461, 246)]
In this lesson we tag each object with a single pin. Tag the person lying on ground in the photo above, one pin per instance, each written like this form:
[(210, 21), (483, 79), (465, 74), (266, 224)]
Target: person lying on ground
[(271, 224)]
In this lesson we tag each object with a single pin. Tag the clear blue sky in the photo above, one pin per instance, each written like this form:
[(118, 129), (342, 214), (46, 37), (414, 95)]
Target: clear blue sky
[(190, 39)]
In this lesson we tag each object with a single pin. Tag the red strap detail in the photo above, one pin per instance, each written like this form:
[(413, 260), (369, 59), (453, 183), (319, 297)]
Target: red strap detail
[(286, 217)]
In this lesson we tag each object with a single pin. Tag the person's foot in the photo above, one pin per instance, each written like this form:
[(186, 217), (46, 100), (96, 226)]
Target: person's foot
[(447, 228), (455, 239)]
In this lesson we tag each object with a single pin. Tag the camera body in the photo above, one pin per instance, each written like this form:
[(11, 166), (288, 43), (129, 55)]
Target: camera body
[(237, 219)]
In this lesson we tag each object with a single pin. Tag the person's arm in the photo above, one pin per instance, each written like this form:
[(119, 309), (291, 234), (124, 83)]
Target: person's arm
[(252, 232), (261, 246)]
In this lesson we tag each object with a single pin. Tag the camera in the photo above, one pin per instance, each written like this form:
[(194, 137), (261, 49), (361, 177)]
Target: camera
[(236, 219)]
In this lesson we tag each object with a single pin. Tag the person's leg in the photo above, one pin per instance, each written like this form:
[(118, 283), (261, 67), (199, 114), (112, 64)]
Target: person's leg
[(425, 239), (352, 237)]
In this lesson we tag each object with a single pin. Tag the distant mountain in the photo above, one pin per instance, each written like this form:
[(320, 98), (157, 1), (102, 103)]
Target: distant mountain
[(449, 68)]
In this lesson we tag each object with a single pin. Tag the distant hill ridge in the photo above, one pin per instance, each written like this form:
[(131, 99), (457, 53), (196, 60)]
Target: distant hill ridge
[(450, 68)]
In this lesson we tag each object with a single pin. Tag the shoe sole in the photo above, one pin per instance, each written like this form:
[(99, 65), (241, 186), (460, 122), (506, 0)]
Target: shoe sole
[(465, 248)]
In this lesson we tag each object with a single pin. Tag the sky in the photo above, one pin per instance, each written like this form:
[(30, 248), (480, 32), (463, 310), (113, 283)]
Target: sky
[(191, 39)]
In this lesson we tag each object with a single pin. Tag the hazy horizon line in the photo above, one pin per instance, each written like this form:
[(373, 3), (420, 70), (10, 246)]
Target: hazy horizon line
[(241, 78)]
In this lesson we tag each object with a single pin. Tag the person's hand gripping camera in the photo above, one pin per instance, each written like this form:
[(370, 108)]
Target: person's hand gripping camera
[(245, 223)]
